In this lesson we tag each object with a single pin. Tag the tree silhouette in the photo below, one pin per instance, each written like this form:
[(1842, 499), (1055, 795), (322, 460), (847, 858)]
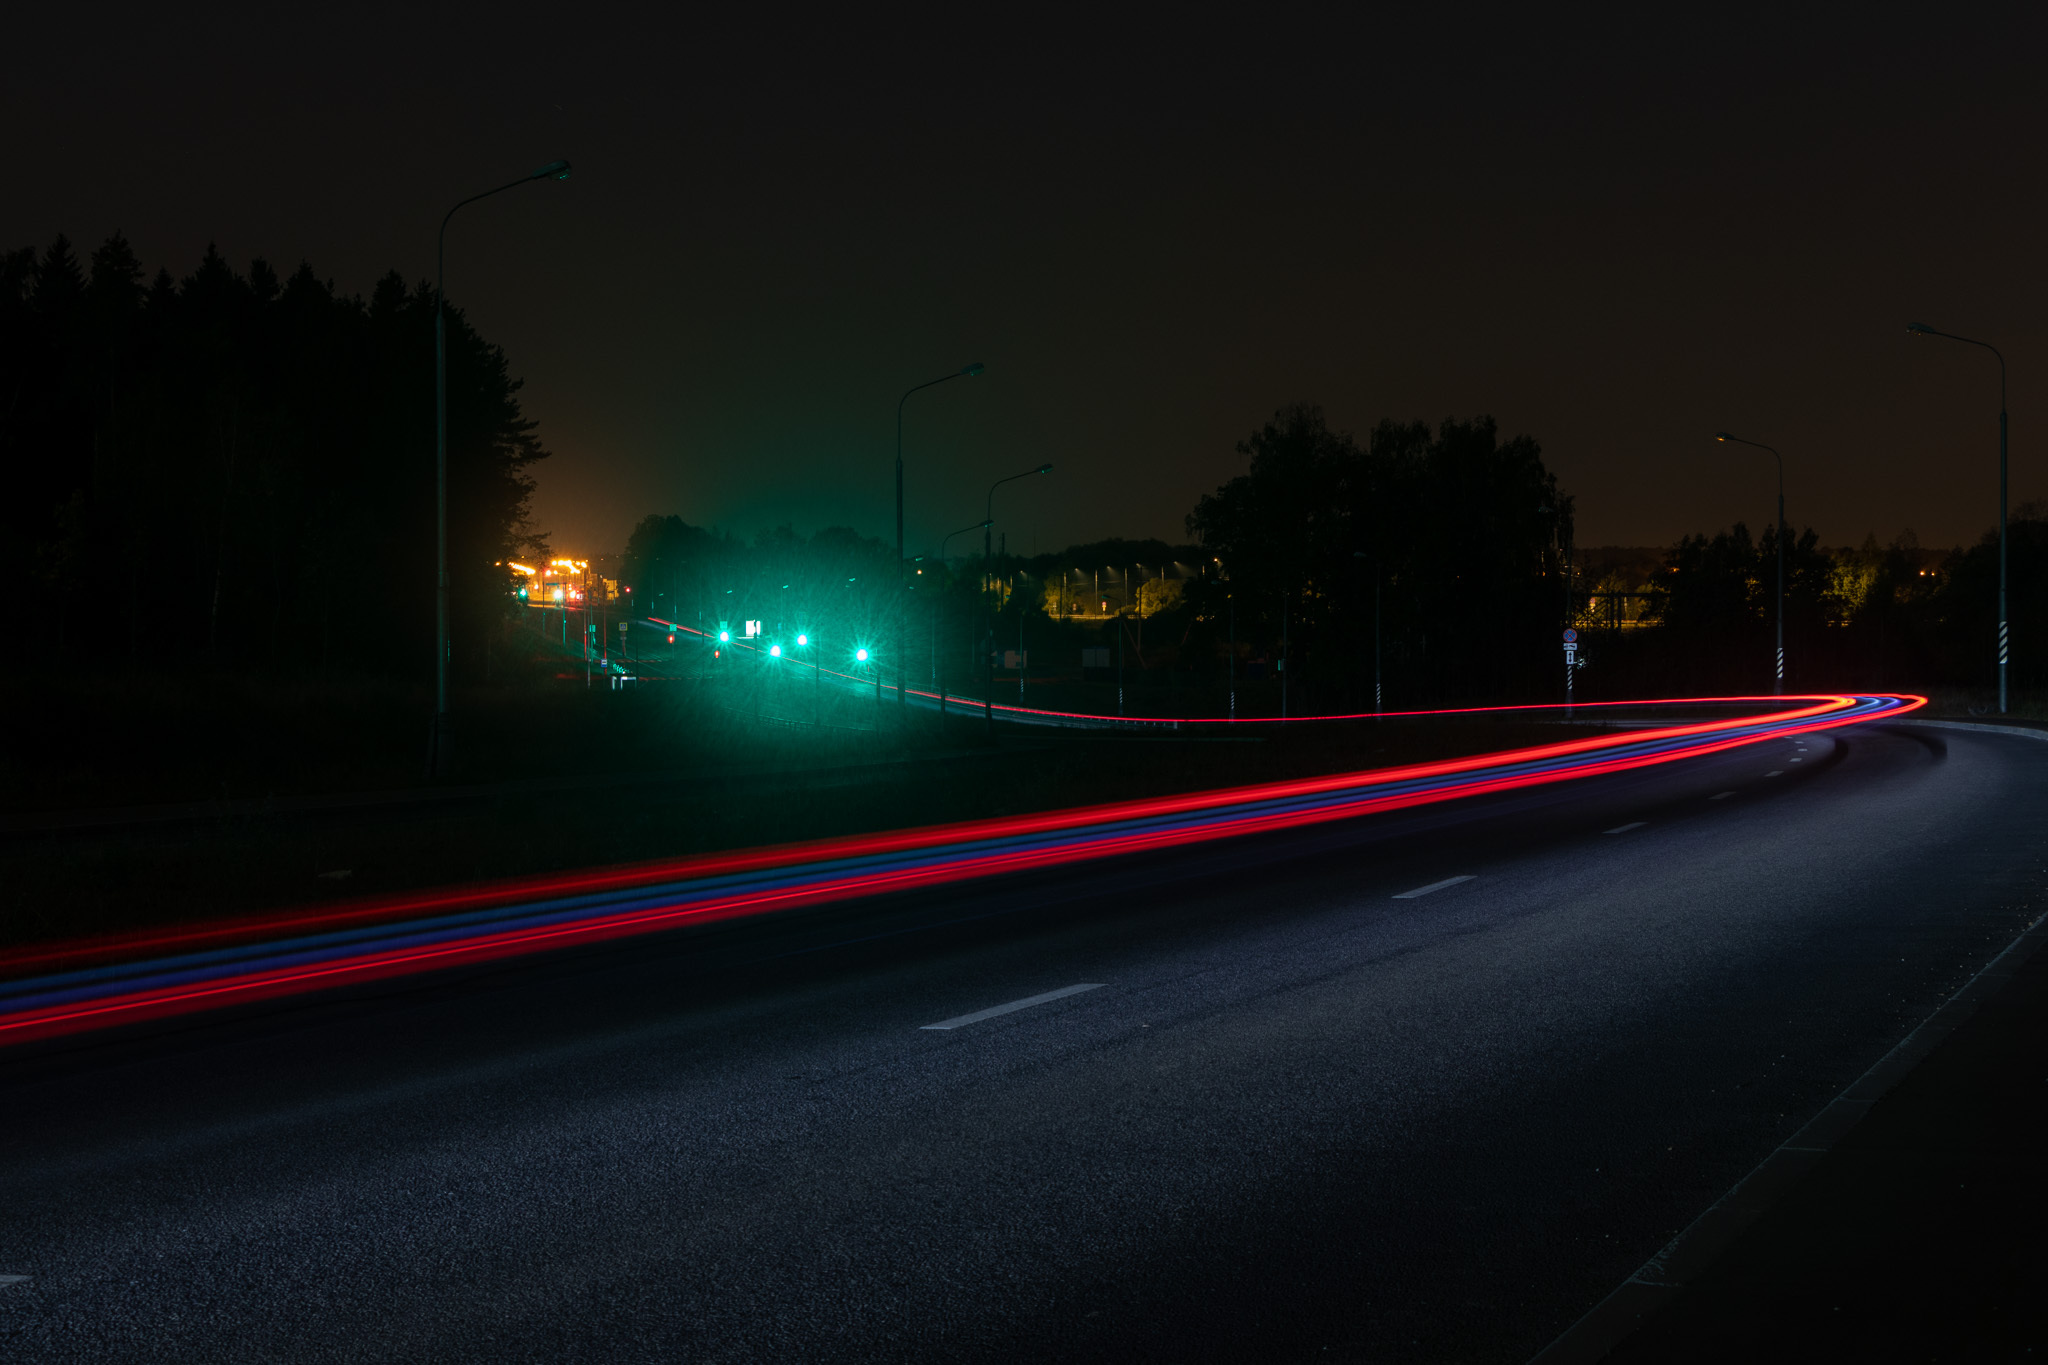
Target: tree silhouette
[(236, 470)]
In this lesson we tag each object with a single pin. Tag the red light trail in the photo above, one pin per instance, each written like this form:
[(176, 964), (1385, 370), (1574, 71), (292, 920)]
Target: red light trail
[(130, 978)]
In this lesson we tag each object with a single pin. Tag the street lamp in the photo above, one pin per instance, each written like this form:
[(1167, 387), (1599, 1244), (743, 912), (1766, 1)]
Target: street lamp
[(1377, 704), (1724, 436), (988, 703), (1922, 329), (437, 760), (965, 372), (938, 673)]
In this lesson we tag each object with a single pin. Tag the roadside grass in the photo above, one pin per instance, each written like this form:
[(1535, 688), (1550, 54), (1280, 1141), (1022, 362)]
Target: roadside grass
[(558, 777)]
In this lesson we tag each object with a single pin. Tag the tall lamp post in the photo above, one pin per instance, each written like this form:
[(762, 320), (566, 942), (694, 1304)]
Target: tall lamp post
[(1377, 705), (437, 756), (1922, 329), (965, 372), (1759, 445), (938, 673), (988, 702)]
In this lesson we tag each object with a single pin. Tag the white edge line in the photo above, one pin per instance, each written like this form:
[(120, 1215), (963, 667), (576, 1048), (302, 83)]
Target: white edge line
[(1433, 886), (6, 1280), (1623, 829), (1023, 1004)]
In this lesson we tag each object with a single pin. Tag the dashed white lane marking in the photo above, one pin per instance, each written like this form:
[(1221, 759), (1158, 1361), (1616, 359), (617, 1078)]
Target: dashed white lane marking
[(1795, 760), (1023, 1004), (1623, 829), (1720, 796), (1778, 772), (1433, 886), (6, 1280)]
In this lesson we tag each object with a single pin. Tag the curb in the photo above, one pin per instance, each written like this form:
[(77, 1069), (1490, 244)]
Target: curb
[(2025, 729), (1685, 1256)]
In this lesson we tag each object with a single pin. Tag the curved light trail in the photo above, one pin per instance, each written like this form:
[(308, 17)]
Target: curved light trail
[(135, 977)]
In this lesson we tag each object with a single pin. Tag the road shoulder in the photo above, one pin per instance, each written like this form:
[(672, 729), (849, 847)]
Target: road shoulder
[(1903, 1222)]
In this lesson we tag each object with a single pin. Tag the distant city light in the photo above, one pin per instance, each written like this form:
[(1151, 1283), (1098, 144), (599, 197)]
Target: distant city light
[(861, 655), (775, 651), (803, 639)]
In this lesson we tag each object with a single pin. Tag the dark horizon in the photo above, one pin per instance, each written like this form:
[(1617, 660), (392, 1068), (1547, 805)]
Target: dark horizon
[(1616, 243)]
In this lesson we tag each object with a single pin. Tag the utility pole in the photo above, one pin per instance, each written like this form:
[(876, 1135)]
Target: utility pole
[(1780, 538), (2004, 636), (439, 740), (1286, 610), (902, 586)]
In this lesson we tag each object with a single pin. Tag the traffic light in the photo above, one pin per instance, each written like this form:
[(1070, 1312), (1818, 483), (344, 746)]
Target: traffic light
[(671, 637)]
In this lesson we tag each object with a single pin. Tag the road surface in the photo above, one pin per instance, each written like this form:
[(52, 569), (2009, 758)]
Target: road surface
[(1419, 1086)]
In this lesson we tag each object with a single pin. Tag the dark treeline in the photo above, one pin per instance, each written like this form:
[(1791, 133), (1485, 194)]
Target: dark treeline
[(1466, 537), (1466, 534), (1883, 616), (236, 470)]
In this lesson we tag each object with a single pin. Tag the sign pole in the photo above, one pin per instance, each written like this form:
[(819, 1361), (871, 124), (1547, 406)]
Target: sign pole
[(1571, 667)]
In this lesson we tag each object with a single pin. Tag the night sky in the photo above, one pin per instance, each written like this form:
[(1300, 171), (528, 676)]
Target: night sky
[(1154, 230)]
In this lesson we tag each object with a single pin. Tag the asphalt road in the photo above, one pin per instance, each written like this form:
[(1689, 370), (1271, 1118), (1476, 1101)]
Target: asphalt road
[(1297, 1116)]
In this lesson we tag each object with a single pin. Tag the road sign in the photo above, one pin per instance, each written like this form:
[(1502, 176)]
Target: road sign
[(1570, 636)]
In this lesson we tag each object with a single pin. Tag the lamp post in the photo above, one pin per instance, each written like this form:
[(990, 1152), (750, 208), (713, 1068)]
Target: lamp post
[(966, 372), (437, 744), (988, 705), (1231, 598), (1922, 329), (938, 673), (1724, 436), (1377, 704)]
